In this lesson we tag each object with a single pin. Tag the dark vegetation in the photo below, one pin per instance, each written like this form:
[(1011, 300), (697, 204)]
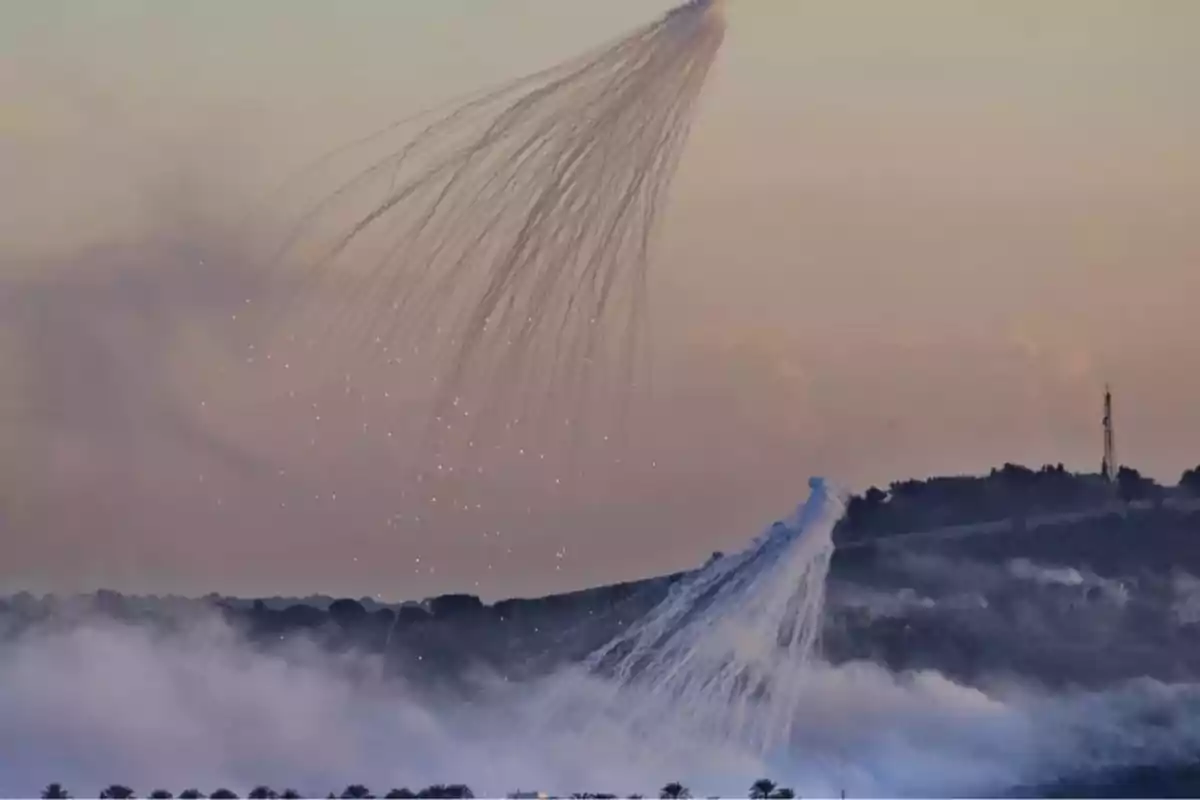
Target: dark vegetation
[(1178, 781), (56, 791), (1144, 781), (761, 789), (1007, 492)]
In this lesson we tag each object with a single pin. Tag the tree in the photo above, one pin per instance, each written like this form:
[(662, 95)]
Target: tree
[(674, 791), (862, 511), (116, 792), (455, 605), (1190, 481), (783, 793), (1133, 486), (223, 794), (290, 794), (191, 794), (347, 613), (262, 793), (453, 791), (54, 791), (160, 794), (401, 794), (1016, 476), (356, 791), (761, 789)]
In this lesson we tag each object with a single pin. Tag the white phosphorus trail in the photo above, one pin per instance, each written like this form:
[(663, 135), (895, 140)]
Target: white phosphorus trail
[(508, 241), (726, 655)]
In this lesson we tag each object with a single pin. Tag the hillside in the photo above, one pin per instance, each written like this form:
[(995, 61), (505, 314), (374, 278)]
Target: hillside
[(960, 601)]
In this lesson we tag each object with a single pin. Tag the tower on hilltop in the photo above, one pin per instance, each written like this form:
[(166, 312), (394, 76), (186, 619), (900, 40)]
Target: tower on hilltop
[(1108, 467)]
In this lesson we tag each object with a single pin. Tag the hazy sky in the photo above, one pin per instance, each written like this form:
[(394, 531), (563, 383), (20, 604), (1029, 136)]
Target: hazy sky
[(907, 239)]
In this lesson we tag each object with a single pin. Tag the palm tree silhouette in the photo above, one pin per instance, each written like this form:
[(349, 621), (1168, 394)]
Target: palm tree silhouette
[(674, 791), (54, 791)]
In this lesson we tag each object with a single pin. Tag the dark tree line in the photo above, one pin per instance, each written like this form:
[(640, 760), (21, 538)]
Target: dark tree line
[(453, 791), (1180, 780), (1011, 490), (762, 789)]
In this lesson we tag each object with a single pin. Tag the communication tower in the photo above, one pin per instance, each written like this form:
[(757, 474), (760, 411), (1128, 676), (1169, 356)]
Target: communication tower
[(1108, 467)]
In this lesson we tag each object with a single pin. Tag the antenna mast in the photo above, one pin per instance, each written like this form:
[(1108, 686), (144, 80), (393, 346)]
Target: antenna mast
[(1108, 467)]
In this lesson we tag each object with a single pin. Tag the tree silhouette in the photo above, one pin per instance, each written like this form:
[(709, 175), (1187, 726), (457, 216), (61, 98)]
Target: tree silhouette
[(863, 510), (1190, 481), (401, 794), (347, 613), (160, 794), (54, 791), (223, 794), (441, 791), (455, 605), (116, 792), (262, 793), (290, 794), (1134, 486), (191, 794), (783, 794), (356, 791), (674, 791), (761, 789)]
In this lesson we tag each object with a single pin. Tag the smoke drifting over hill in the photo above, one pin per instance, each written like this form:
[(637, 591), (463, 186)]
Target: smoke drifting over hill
[(942, 674)]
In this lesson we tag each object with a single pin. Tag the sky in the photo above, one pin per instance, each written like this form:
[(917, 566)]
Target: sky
[(905, 240)]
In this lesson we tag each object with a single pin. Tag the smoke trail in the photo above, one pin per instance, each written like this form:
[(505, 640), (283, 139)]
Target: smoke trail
[(511, 245), (727, 653)]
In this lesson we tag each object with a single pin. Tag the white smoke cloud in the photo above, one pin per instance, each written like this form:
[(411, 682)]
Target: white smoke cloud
[(88, 701), (98, 702), (1186, 607)]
